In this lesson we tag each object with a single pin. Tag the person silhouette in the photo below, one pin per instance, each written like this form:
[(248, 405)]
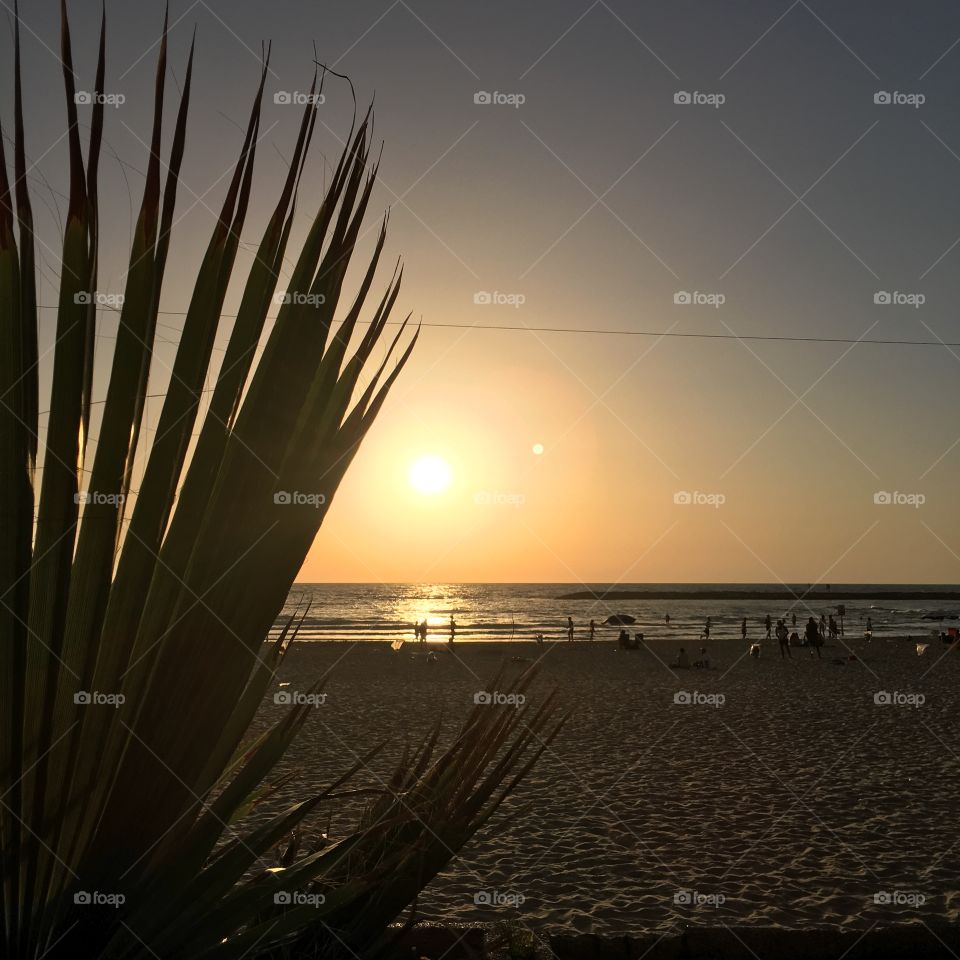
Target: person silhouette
[(783, 640), (813, 636), (570, 628)]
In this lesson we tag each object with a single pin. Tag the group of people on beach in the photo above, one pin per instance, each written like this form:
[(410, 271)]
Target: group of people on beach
[(813, 638), (815, 633), (683, 661), (420, 630)]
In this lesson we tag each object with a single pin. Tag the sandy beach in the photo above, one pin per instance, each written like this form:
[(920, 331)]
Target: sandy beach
[(773, 793)]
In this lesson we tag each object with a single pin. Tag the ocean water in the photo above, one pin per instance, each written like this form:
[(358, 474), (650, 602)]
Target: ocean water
[(518, 611)]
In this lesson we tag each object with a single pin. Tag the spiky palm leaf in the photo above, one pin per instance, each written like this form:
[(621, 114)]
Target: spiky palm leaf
[(135, 801)]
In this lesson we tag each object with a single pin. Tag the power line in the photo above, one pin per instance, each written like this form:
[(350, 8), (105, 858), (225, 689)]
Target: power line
[(692, 336), (520, 328)]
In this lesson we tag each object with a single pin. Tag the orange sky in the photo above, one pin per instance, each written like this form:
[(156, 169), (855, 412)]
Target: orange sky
[(595, 204)]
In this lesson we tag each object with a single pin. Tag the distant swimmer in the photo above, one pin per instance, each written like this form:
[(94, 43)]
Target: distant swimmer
[(453, 628), (768, 623), (423, 630), (593, 629), (570, 628), (666, 619), (743, 629)]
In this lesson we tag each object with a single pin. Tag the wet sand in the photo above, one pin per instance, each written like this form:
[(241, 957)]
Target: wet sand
[(775, 793)]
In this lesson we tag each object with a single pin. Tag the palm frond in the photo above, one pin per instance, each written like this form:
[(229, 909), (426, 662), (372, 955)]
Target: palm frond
[(133, 661)]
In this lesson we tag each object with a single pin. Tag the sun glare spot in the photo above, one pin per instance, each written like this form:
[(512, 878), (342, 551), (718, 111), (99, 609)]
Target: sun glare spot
[(429, 475)]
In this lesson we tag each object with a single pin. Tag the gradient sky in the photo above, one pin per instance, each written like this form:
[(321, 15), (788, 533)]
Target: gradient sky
[(596, 201)]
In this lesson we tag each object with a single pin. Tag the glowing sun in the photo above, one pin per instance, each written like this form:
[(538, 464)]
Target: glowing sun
[(429, 475)]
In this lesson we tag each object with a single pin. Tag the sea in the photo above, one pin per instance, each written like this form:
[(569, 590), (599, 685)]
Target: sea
[(491, 612)]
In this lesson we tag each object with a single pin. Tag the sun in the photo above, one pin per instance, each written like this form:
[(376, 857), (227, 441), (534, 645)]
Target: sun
[(429, 474)]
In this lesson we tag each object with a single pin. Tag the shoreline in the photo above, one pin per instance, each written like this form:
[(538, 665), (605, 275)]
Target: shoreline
[(820, 595), (670, 641)]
